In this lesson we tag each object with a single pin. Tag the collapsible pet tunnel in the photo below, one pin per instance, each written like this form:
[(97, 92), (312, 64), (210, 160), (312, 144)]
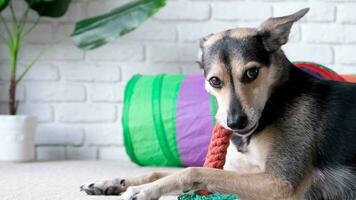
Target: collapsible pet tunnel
[(168, 119)]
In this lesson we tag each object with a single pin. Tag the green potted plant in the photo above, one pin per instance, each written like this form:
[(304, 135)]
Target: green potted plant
[(18, 131)]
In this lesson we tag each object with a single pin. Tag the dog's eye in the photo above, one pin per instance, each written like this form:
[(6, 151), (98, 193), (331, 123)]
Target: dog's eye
[(252, 73), (215, 82)]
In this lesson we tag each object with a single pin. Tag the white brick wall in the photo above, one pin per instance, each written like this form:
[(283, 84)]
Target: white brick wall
[(78, 95)]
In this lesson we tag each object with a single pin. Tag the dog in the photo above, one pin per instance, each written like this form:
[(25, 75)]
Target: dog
[(294, 136)]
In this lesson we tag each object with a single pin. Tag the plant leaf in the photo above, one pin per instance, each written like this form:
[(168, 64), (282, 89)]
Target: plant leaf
[(3, 4), (49, 8), (95, 32)]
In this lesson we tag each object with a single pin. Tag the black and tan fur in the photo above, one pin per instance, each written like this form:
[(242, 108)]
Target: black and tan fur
[(294, 135)]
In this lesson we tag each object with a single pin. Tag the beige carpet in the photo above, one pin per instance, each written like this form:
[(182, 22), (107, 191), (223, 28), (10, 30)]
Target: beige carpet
[(61, 180)]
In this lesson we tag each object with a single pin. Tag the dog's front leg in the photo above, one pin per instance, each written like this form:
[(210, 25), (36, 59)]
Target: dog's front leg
[(118, 185), (251, 186)]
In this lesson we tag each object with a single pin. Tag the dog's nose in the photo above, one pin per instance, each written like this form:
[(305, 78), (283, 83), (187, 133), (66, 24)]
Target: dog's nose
[(237, 122)]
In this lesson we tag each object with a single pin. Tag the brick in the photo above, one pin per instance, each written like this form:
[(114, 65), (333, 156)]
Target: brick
[(113, 153), (106, 92), (4, 73), (44, 153), (77, 71), (5, 70), (56, 92), (78, 112), (192, 69), (81, 153), (107, 72), (184, 11), (241, 11), (117, 52), (172, 52), (4, 108), (62, 32), (3, 52), (41, 34), (251, 24), (346, 13), (120, 107), (319, 12), (75, 12), (43, 112), (192, 32), (85, 71), (104, 134), (57, 52), (314, 53), (154, 31), (103, 6), (42, 72), (39, 72), (3, 33), (57, 134), (329, 33), (130, 69), (345, 54), (4, 90)]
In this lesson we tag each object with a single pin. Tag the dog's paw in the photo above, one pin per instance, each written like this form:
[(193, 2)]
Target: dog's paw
[(110, 187), (142, 192)]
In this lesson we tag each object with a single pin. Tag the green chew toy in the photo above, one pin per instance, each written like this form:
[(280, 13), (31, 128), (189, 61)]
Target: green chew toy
[(214, 196)]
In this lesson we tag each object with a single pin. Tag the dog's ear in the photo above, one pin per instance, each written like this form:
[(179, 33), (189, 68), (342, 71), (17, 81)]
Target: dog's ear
[(200, 51), (200, 58), (275, 31)]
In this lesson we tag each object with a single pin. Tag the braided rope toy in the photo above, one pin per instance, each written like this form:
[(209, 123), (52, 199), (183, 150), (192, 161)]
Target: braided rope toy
[(218, 147), (215, 159)]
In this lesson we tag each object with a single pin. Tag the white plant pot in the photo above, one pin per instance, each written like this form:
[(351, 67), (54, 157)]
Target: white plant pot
[(17, 138)]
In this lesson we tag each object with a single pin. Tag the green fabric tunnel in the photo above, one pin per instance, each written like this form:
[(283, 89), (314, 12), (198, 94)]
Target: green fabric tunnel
[(157, 120)]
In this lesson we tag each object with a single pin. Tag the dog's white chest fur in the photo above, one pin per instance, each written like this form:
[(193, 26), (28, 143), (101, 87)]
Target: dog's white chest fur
[(252, 161)]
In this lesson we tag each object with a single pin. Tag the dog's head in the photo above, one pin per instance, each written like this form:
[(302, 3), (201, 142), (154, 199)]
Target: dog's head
[(241, 68)]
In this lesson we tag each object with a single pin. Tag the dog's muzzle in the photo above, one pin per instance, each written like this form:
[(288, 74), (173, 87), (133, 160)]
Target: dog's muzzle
[(237, 122)]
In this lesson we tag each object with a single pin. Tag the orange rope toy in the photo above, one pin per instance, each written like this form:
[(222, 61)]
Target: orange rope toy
[(217, 151), (218, 147)]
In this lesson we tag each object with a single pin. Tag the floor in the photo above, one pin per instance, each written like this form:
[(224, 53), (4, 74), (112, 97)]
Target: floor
[(61, 180)]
